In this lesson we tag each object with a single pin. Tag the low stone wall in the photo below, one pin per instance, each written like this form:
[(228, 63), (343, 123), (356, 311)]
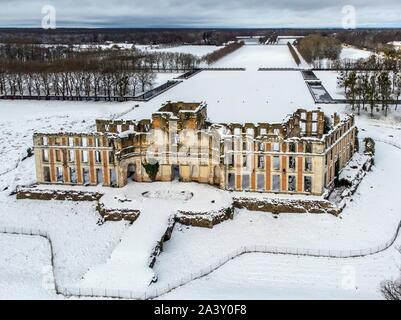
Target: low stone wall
[(109, 214), (353, 183), (277, 206), (38, 194), (159, 245), (205, 219)]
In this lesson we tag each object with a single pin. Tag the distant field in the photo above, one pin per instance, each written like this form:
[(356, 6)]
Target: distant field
[(354, 54)]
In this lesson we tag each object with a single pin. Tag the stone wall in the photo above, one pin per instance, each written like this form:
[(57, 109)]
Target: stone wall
[(37, 194), (205, 219), (277, 206)]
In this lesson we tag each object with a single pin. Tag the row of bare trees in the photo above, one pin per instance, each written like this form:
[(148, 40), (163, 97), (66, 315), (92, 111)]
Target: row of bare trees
[(32, 70), (391, 61), (372, 82), (218, 54), (371, 88), (163, 61), (93, 84)]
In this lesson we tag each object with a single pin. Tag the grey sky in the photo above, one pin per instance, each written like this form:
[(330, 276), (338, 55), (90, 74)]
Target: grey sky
[(200, 13)]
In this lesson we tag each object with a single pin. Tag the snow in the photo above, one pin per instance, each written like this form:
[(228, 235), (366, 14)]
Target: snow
[(350, 53), (128, 266), (78, 241), (329, 81), (25, 268), (266, 276), (238, 96), (162, 78), (258, 56)]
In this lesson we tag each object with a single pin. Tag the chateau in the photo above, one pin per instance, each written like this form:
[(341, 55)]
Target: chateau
[(302, 155)]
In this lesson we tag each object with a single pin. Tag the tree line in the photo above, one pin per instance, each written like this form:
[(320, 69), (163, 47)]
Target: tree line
[(315, 47), (376, 85), (94, 84), (62, 71), (218, 54)]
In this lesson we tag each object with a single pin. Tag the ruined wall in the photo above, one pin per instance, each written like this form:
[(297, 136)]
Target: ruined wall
[(76, 159)]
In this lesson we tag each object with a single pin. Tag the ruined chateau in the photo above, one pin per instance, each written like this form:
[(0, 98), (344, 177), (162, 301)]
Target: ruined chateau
[(302, 155)]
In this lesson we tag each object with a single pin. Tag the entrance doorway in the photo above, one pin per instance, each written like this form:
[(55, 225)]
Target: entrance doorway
[(131, 171), (175, 172), (336, 172)]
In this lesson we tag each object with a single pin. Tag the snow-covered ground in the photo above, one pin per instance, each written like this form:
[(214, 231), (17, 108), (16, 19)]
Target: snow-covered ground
[(349, 53), (128, 266), (261, 56), (238, 96), (162, 78), (267, 276), (329, 80), (25, 268), (285, 39)]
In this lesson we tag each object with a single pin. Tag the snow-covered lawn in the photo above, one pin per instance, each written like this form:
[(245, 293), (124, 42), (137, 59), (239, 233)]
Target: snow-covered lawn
[(25, 268), (268, 276), (238, 96), (79, 242), (254, 57)]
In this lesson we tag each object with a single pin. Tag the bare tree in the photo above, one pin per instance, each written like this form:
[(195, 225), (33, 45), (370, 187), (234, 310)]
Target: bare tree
[(391, 290), (146, 78)]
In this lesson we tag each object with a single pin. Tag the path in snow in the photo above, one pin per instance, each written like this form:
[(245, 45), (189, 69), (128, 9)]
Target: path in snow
[(128, 266)]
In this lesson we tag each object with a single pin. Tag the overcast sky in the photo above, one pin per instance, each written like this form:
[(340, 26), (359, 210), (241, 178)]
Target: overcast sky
[(200, 13)]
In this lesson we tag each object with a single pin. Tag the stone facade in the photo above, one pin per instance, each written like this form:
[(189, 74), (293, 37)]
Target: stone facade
[(304, 154)]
